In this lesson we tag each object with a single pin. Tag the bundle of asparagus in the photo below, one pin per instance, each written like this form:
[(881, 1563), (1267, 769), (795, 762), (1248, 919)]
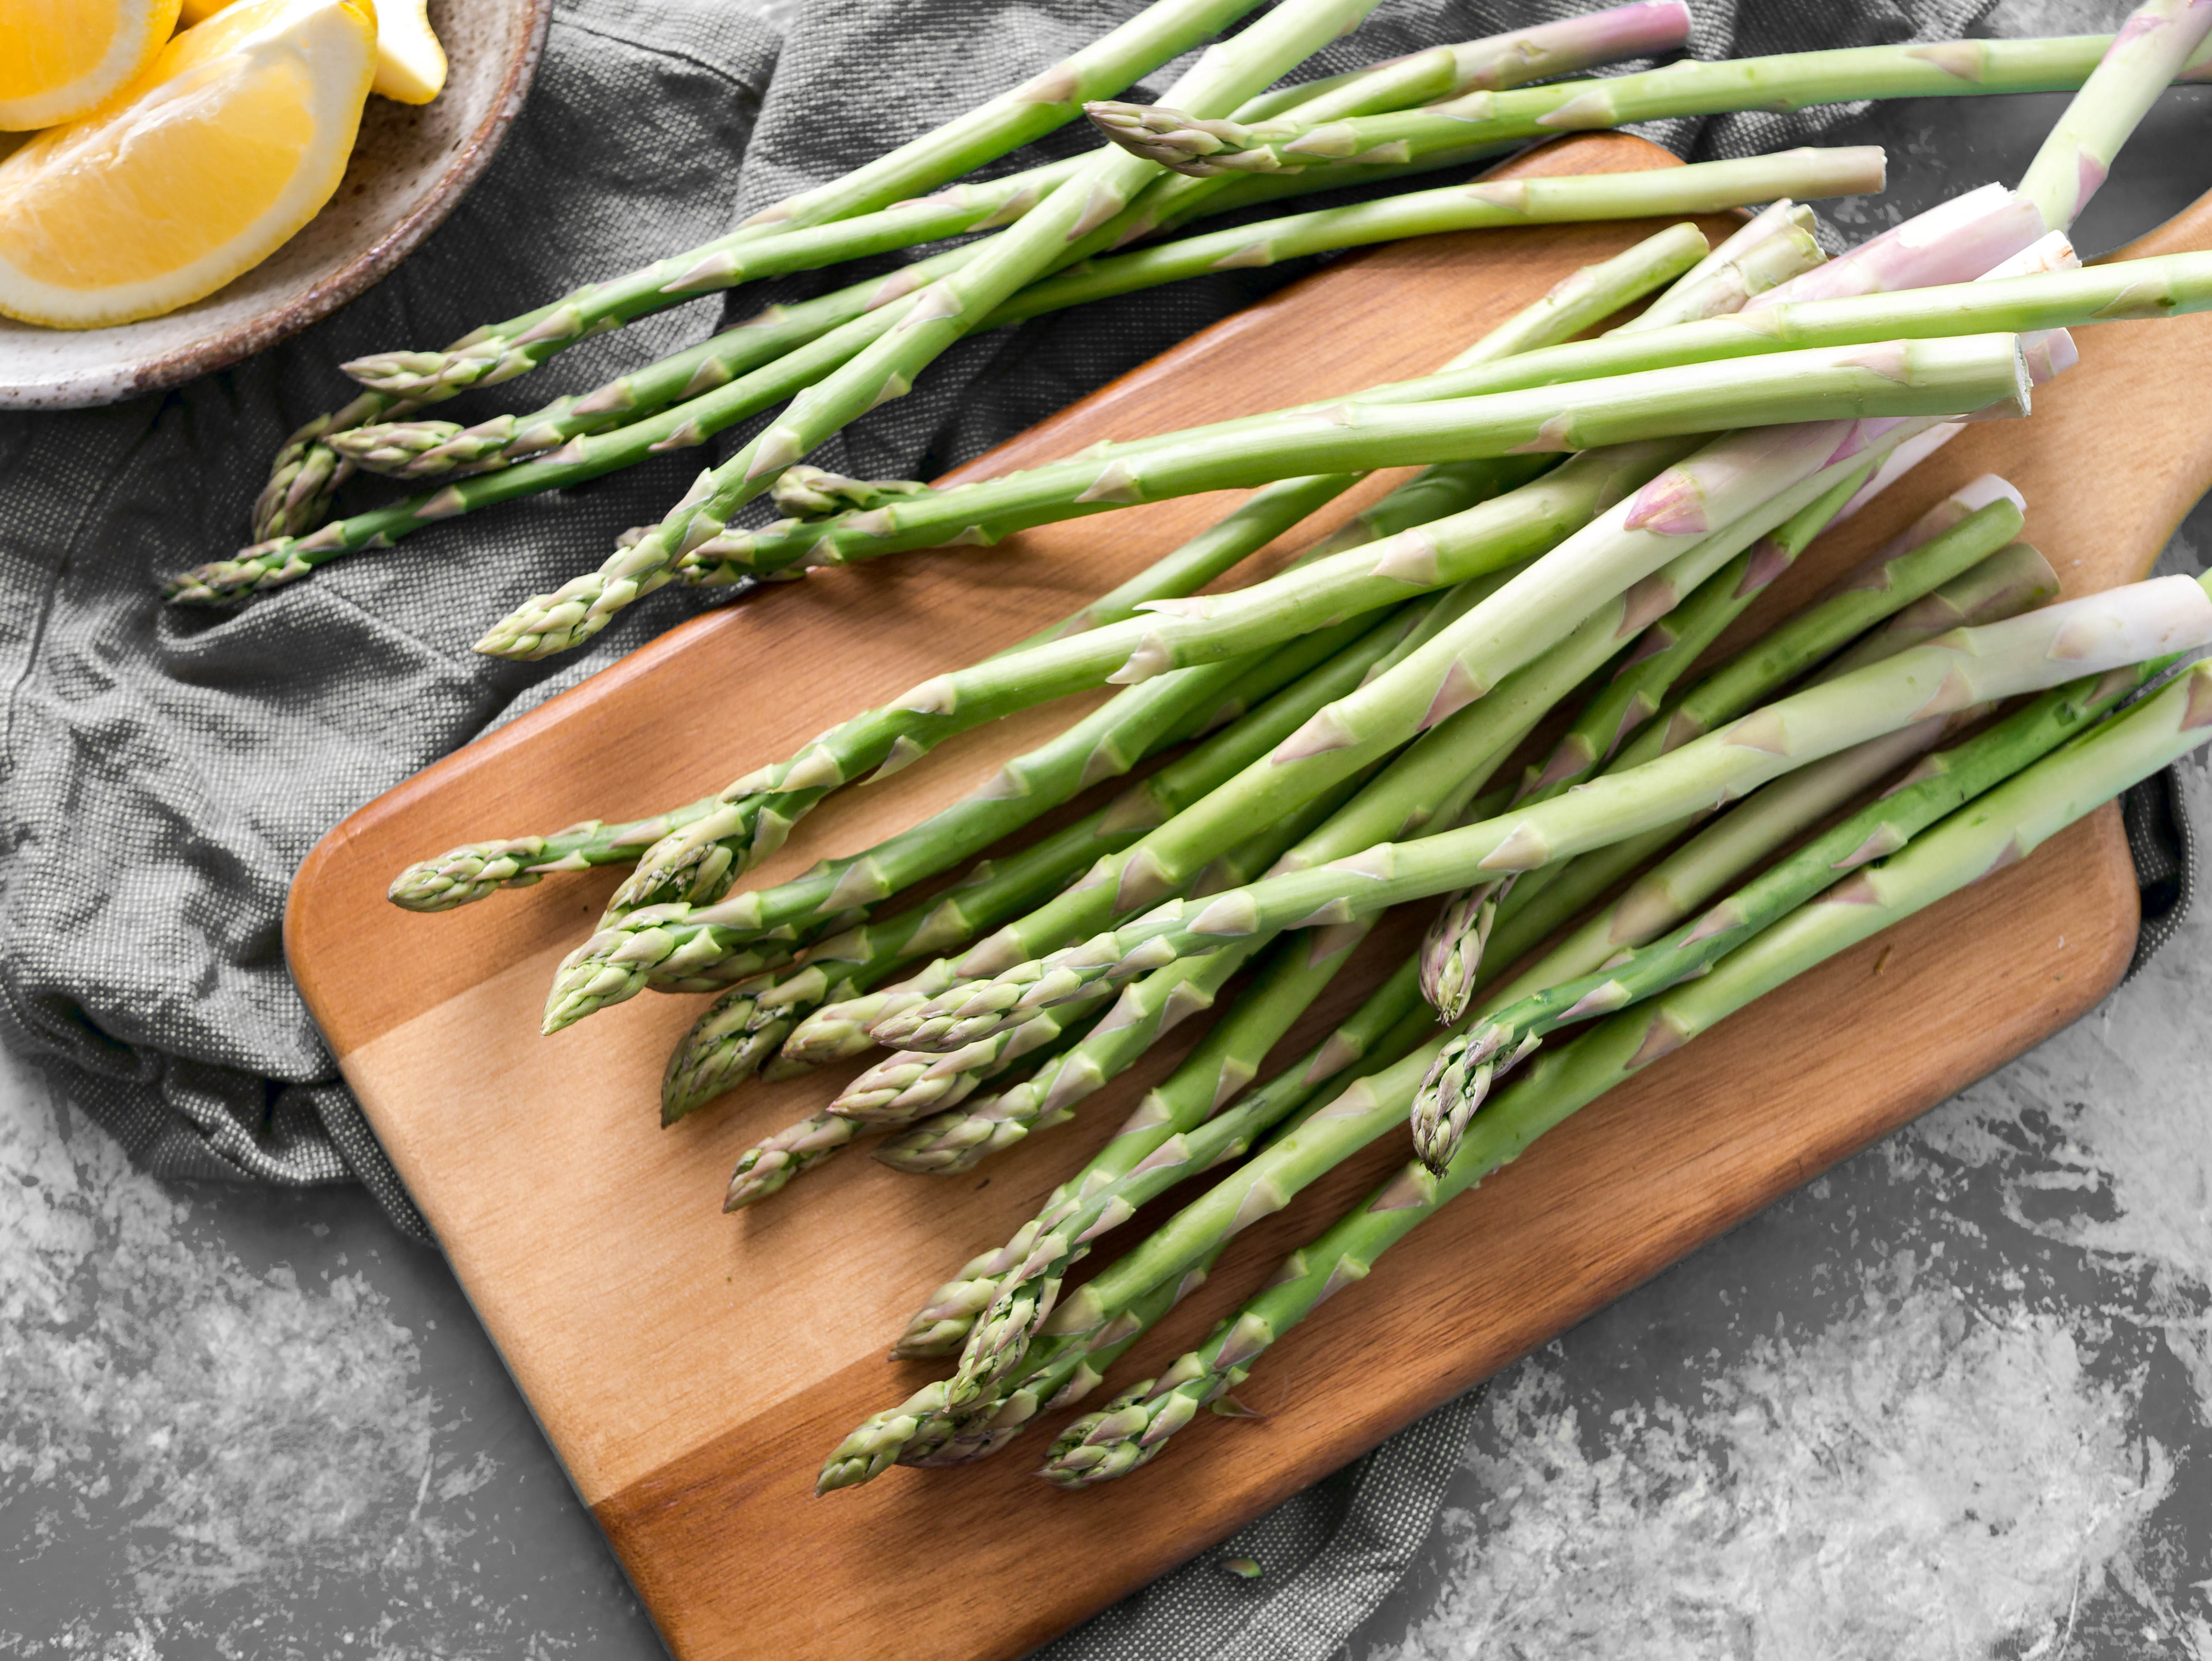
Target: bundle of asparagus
[(1233, 146), (1483, 700)]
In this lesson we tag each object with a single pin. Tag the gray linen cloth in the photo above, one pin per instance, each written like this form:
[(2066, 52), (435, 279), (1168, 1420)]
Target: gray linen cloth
[(166, 771)]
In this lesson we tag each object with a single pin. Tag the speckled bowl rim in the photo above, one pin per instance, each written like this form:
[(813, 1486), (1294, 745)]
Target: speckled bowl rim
[(86, 389)]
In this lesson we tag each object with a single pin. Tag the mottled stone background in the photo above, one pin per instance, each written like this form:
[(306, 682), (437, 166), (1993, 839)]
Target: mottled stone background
[(1953, 1400)]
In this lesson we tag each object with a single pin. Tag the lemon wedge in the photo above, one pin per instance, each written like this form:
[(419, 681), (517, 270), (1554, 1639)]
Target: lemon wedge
[(58, 61), (232, 139), (410, 64)]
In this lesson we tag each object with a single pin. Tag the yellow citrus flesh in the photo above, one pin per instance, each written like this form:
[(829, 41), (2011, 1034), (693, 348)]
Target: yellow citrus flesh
[(410, 64), (62, 58), (232, 140)]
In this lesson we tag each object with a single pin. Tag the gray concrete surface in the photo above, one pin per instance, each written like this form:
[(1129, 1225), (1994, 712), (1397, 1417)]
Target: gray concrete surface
[(1953, 1399)]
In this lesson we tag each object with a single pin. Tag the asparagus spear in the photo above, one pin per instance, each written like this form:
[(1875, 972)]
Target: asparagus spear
[(2153, 46), (1776, 816), (2001, 828), (1921, 560), (1080, 1212), (1153, 1146), (1455, 1085), (1783, 389), (837, 230), (1788, 81), (1065, 1062), (432, 449), (286, 558), (929, 713), (1047, 101), (477, 869), (296, 499), (1746, 484), (697, 526), (1459, 937), (1779, 813), (2166, 286), (941, 314), (1427, 787), (923, 1430), (2012, 580), (1974, 666), (1725, 271), (839, 1029), (815, 1000), (673, 940)]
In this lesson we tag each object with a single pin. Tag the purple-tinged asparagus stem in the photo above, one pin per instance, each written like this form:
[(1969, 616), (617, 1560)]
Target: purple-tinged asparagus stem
[(2151, 48)]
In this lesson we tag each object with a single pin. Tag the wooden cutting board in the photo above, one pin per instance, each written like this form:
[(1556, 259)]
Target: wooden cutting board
[(692, 1369)]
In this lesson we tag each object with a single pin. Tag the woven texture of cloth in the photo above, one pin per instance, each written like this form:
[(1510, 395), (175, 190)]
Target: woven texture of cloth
[(166, 771)]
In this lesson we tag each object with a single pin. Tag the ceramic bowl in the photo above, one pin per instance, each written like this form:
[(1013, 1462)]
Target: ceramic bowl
[(410, 166)]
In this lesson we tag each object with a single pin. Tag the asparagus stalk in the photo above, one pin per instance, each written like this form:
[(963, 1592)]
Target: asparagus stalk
[(2003, 827), (924, 1431), (1970, 666), (1195, 1095), (295, 501), (1047, 101), (2012, 580), (1777, 814), (1454, 1087), (1426, 787), (1150, 1007), (823, 1002), (1673, 643), (1921, 560), (434, 449), (1066, 1061), (477, 869), (941, 314), (1662, 660), (430, 448), (1701, 187), (807, 240), (674, 873), (287, 557), (1947, 69), (673, 940), (1747, 483), (839, 1030), (589, 453), (2153, 46), (1726, 271), (1429, 785), (2170, 285), (2009, 581)]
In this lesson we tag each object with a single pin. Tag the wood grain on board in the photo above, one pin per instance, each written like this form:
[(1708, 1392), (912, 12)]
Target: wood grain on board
[(691, 1369)]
